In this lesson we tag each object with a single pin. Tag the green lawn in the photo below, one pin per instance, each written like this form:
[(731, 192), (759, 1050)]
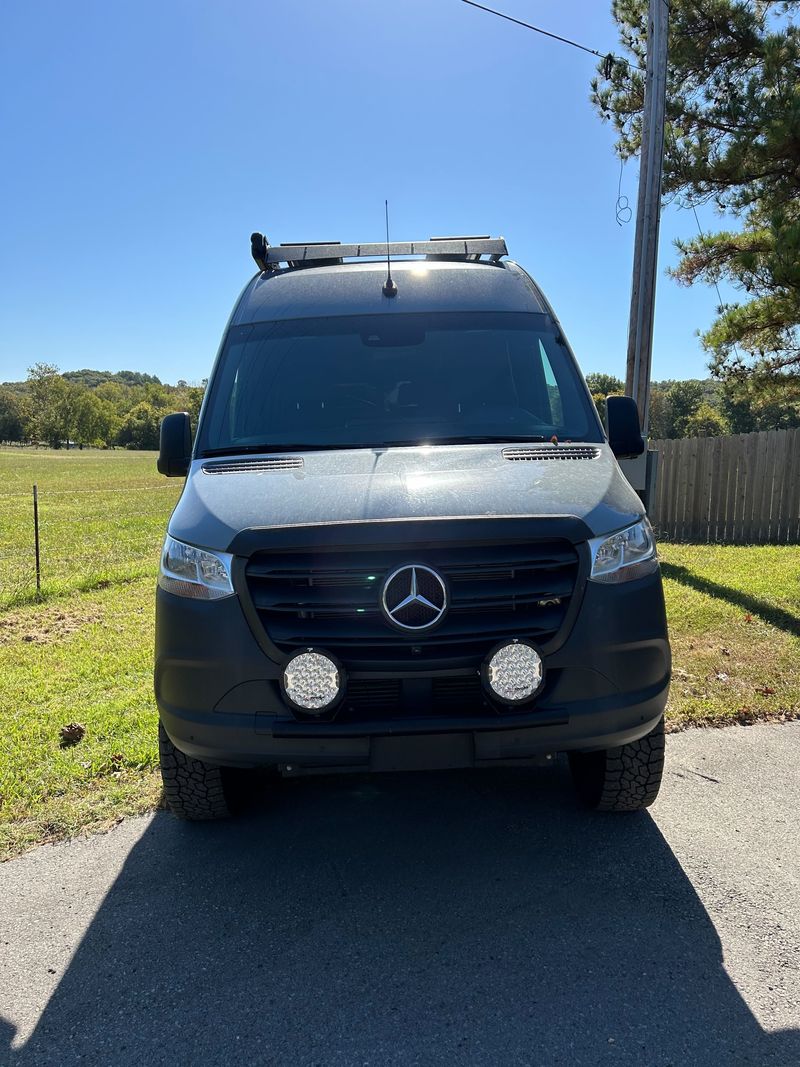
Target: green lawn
[(734, 618), (85, 653), (101, 518), (84, 657)]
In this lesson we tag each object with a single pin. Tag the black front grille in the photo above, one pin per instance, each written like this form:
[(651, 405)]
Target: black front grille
[(330, 598), (373, 698), (385, 698)]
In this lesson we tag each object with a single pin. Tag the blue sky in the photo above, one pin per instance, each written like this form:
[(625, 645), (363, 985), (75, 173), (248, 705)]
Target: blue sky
[(143, 142)]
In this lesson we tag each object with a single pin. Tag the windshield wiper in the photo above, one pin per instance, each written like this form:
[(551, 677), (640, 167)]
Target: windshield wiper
[(468, 439), (239, 450), (420, 442)]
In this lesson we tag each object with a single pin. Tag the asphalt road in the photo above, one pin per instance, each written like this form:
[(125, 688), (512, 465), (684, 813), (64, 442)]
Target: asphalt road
[(423, 919)]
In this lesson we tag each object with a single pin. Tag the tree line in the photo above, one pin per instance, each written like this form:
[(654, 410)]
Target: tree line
[(124, 409), (708, 408), (92, 408)]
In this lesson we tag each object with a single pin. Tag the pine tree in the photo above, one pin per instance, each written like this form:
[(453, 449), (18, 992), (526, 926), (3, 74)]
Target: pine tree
[(733, 140)]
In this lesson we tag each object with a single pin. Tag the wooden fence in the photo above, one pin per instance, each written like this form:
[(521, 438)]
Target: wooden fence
[(743, 489)]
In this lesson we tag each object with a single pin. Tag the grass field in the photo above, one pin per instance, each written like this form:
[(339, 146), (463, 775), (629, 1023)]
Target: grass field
[(734, 621), (101, 518), (85, 652)]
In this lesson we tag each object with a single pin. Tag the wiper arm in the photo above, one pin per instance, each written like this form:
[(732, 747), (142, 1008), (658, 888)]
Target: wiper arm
[(467, 439), (475, 439), (239, 450)]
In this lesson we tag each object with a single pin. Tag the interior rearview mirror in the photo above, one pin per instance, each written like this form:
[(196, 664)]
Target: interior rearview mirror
[(624, 429), (175, 446)]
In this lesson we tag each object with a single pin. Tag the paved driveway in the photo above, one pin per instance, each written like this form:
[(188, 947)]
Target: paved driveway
[(423, 919)]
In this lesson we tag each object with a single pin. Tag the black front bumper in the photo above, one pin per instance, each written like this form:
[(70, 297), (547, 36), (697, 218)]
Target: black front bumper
[(219, 697)]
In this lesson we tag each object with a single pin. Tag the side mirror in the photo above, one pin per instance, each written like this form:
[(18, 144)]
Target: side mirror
[(624, 429), (175, 451)]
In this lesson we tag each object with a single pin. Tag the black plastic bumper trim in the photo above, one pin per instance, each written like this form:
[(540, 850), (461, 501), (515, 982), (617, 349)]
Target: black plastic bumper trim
[(289, 728)]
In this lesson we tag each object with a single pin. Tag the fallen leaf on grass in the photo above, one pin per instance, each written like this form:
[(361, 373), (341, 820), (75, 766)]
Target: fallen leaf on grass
[(765, 690), (748, 617), (71, 734)]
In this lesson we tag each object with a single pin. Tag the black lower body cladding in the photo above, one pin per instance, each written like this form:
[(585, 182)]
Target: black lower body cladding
[(606, 682)]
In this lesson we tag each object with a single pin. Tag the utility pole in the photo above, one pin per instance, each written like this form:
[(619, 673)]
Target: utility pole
[(648, 212)]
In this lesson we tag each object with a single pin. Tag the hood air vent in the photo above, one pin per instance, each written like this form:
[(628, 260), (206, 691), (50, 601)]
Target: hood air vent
[(254, 466), (552, 452)]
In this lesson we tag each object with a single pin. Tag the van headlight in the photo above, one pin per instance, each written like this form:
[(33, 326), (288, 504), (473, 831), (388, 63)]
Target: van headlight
[(623, 556), (194, 572)]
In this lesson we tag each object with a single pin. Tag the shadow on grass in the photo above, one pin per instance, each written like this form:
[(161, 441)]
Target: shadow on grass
[(778, 617), (475, 918)]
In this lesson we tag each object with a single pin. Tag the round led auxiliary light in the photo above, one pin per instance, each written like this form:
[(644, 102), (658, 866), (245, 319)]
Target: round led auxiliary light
[(312, 681), (514, 672)]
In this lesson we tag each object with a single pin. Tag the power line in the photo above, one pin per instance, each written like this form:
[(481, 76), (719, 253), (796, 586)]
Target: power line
[(547, 33), (622, 202), (624, 211)]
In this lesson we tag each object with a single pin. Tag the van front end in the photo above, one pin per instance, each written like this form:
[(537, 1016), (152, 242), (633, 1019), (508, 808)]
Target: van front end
[(378, 692), (404, 540)]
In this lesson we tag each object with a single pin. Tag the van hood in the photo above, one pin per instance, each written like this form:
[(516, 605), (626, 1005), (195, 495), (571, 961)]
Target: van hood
[(364, 485)]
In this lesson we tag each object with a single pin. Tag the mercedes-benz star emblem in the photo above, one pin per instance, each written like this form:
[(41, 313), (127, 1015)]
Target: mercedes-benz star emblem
[(414, 597)]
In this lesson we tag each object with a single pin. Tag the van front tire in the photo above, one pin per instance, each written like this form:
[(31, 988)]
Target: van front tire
[(626, 778), (193, 789)]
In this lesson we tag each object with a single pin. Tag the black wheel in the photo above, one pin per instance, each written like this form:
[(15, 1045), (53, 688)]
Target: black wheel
[(194, 790), (621, 779)]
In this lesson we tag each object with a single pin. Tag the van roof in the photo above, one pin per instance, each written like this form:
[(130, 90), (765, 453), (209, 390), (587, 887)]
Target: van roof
[(357, 289)]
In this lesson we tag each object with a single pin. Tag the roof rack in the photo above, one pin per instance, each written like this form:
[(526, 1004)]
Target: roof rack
[(316, 254)]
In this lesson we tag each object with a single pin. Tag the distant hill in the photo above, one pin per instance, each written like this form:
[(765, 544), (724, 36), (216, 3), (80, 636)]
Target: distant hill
[(92, 407), (712, 389), (92, 378)]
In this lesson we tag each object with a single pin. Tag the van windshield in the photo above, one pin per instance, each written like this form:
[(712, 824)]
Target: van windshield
[(380, 380)]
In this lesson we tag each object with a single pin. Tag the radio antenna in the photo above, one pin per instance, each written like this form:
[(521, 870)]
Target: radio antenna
[(389, 288)]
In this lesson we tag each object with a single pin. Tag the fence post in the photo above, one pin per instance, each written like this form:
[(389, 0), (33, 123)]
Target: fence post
[(36, 539)]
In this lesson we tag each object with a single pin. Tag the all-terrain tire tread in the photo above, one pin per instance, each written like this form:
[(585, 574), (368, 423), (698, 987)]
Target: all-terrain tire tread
[(193, 789), (630, 777)]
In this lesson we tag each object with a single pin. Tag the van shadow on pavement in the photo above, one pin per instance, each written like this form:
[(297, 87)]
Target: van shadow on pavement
[(415, 919)]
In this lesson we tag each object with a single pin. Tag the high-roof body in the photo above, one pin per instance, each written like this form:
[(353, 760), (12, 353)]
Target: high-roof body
[(452, 276)]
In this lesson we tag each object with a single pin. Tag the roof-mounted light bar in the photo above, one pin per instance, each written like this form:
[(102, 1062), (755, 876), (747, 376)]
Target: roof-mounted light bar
[(311, 254)]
